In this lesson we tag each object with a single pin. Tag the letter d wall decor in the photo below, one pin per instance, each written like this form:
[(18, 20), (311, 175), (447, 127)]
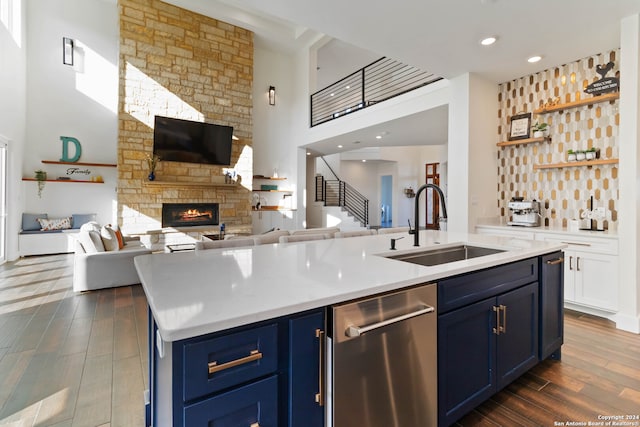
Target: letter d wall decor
[(65, 149)]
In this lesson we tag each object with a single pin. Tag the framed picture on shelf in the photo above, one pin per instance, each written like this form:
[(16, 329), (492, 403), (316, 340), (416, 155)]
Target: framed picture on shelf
[(520, 126)]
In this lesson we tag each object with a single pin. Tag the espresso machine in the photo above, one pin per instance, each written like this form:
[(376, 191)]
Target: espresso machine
[(524, 213)]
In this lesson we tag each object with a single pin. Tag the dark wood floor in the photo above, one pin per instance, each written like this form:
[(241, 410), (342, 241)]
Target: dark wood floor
[(71, 359)]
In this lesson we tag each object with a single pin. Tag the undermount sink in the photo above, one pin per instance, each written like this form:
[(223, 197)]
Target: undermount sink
[(445, 255)]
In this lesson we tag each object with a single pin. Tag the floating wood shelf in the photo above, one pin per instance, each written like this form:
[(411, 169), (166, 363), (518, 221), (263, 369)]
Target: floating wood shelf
[(157, 183), (523, 141), (273, 191), (103, 165), (272, 209), (576, 164), (588, 101), (66, 181), (272, 178)]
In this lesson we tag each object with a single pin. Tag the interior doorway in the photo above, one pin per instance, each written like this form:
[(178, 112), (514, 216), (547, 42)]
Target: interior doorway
[(3, 199), (432, 201), (386, 200)]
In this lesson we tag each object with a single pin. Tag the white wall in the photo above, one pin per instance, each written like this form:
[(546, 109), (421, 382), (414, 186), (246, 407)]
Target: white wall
[(628, 317), (472, 151), (13, 106), (79, 101)]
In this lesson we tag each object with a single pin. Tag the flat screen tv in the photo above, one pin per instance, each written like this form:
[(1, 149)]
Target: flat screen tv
[(177, 140)]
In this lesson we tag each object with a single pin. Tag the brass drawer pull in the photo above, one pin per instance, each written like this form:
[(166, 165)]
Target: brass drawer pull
[(320, 395), (214, 367), (255, 425), (555, 261)]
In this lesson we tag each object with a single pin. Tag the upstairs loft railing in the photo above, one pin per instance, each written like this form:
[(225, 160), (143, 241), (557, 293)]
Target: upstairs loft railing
[(377, 82)]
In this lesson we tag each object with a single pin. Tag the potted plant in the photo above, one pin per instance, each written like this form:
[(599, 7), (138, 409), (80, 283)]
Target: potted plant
[(580, 155), (591, 153), (152, 162), (41, 177), (539, 129), (571, 156)]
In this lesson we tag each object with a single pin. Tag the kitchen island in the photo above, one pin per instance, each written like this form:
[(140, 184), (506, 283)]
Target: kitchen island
[(271, 295)]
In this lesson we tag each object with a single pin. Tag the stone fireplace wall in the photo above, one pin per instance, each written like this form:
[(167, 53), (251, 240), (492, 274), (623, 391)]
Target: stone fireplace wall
[(177, 63)]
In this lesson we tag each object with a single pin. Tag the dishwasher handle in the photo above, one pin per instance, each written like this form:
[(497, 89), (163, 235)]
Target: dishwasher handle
[(356, 331)]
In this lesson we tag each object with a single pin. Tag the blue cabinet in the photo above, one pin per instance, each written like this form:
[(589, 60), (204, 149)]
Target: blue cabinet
[(253, 404), (306, 371), (487, 335), (551, 305), (267, 374)]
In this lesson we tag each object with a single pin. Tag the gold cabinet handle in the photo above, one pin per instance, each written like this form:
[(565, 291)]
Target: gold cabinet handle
[(214, 367), (497, 329), (320, 393), (503, 327), (555, 261)]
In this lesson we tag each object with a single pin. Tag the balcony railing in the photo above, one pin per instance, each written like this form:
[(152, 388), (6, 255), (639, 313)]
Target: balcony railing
[(377, 82)]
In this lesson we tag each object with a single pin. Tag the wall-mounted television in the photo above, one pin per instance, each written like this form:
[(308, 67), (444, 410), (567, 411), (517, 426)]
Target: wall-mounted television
[(177, 140)]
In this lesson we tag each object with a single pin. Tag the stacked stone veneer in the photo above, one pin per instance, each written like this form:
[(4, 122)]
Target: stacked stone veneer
[(177, 63), (564, 192)]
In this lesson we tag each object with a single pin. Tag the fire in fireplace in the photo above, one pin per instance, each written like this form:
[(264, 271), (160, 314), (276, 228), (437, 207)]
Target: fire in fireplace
[(189, 214)]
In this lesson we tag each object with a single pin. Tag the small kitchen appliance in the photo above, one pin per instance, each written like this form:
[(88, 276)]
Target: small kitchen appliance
[(524, 213)]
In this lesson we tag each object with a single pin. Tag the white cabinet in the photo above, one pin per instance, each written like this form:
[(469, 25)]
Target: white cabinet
[(591, 270), (265, 220), (590, 267), (591, 279)]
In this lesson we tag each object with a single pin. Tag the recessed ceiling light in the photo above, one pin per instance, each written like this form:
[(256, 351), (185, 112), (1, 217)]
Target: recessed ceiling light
[(364, 160), (347, 87), (340, 146), (333, 94), (534, 58), (378, 136), (488, 41), (308, 153)]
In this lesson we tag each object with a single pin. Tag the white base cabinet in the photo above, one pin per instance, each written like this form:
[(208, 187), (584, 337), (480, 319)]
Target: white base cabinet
[(590, 267)]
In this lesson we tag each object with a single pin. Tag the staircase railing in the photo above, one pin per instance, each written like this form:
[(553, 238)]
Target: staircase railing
[(377, 82), (334, 192)]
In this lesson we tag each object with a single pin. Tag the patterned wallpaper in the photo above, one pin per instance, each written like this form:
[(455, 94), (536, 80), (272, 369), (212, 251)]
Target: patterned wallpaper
[(563, 192)]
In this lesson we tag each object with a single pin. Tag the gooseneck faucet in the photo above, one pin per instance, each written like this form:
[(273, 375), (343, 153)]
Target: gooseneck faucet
[(416, 231)]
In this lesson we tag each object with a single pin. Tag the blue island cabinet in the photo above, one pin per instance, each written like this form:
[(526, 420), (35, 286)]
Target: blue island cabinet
[(267, 374), (487, 334)]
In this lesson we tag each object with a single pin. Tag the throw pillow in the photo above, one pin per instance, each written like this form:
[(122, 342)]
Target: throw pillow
[(77, 220), (54, 223), (120, 239), (30, 221), (109, 238), (91, 242), (90, 226)]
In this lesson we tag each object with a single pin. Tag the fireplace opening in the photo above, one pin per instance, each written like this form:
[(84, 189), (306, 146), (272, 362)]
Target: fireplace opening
[(189, 214)]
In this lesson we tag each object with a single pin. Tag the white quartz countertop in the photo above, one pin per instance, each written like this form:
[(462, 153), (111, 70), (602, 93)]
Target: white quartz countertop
[(195, 293), (499, 223)]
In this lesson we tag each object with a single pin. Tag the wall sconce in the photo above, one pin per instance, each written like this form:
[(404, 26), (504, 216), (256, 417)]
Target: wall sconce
[(67, 51), (409, 192), (272, 95)]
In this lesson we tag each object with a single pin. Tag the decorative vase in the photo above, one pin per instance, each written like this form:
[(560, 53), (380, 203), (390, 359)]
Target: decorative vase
[(590, 155), (580, 156), (151, 176), (571, 157), (538, 134)]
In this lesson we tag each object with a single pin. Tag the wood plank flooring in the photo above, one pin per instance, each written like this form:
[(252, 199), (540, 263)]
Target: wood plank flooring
[(71, 359)]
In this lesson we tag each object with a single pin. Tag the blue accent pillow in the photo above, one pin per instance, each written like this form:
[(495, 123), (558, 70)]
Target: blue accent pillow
[(30, 221), (77, 220)]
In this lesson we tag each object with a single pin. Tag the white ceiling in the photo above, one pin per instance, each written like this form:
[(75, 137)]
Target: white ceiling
[(438, 36)]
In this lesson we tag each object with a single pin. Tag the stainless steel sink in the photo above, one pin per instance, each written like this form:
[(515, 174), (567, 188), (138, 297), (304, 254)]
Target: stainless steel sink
[(444, 255)]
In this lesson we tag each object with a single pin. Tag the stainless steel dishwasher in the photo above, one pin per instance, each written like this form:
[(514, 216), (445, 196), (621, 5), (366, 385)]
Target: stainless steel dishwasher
[(384, 360)]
